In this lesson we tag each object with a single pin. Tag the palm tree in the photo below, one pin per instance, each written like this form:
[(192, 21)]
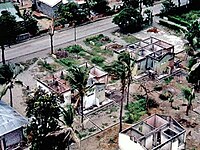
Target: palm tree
[(126, 59), (189, 96), (119, 69), (78, 78), (8, 74), (68, 115)]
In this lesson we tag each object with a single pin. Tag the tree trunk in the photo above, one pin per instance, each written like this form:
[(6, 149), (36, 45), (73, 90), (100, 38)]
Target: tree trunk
[(82, 117), (3, 54), (11, 100), (179, 3), (140, 6), (188, 108), (51, 38), (121, 107), (128, 91)]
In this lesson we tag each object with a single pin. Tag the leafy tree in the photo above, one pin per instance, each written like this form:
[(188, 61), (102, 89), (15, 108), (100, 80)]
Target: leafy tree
[(129, 20), (8, 31), (72, 13), (189, 96), (8, 74), (168, 7), (193, 76), (78, 77), (148, 2), (100, 6), (131, 3), (30, 23), (119, 69), (189, 50), (43, 111), (149, 18), (126, 59), (193, 35)]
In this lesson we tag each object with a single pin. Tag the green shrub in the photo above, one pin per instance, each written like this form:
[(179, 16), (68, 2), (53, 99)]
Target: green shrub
[(67, 62), (135, 111), (74, 49), (98, 60), (168, 79)]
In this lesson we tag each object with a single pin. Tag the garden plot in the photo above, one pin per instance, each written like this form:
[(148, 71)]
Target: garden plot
[(89, 128), (105, 116), (97, 120)]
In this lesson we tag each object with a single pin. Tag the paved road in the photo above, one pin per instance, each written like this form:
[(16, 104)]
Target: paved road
[(61, 37)]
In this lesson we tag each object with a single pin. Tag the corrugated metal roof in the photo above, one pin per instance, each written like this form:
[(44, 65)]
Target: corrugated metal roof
[(10, 119), (10, 8)]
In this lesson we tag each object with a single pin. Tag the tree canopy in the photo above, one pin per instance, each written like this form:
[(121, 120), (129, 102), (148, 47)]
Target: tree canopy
[(72, 13), (43, 111), (129, 20), (8, 28), (100, 6), (168, 6)]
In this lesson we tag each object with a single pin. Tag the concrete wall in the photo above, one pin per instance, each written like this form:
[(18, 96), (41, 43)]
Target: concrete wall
[(100, 93), (149, 142), (125, 143), (162, 65), (175, 145)]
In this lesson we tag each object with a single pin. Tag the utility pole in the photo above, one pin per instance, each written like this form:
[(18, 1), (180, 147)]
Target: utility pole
[(51, 34)]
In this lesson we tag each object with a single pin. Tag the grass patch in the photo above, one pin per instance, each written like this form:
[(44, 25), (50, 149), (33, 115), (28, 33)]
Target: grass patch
[(130, 39), (67, 62)]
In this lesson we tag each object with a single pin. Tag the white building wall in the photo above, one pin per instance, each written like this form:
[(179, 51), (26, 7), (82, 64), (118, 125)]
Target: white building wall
[(125, 143), (67, 97), (149, 142), (175, 145)]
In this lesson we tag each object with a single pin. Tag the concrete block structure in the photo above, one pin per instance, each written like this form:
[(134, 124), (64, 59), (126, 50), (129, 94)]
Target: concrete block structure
[(95, 96), (157, 132), (152, 56)]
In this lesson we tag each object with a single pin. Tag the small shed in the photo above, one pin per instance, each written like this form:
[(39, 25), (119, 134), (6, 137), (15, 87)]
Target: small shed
[(11, 127)]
